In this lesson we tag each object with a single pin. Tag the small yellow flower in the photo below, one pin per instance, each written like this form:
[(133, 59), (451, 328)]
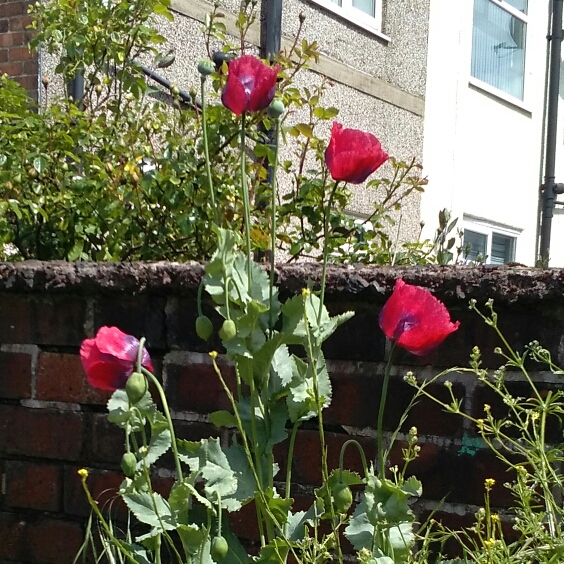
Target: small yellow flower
[(490, 483), (489, 543), (479, 423), (83, 473), (494, 517), (213, 354), (306, 292), (487, 407)]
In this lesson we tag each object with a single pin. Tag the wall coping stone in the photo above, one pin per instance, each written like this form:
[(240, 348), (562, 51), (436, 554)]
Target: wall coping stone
[(506, 285)]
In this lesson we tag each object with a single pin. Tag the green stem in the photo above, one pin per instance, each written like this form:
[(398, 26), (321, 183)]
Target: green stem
[(246, 199), (342, 457), (383, 396), (273, 222), (166, 410), (199, 300), (290, 456), (325, 249), (207, 150)]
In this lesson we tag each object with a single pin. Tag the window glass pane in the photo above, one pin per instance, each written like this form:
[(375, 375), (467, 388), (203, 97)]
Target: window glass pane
[(498, 48), (338, 2), (503, 249), (521, 5), (475, 245), (367, 6)]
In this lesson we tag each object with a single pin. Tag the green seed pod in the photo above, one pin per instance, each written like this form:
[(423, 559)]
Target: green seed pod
[(136, 386), (219, 548), (276, 108), (204, 327), (228, 330), (128, 464), (206, 67), (342, 497)]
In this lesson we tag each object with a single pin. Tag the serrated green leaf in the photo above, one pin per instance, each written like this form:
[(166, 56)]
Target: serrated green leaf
[(150, 508), (223, 419)]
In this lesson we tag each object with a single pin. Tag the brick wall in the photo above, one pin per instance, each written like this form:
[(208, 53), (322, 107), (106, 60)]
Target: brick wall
[(15, 58), (52, 423)]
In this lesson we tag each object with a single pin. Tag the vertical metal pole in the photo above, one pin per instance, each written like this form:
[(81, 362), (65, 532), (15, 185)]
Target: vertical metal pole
[(272, 31), (548, 188)]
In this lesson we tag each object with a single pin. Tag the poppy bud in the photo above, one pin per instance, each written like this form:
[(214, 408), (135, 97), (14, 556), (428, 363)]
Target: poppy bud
[(228, 330), (206, 67), (136, 387), (204, 327), (128, 464), (342, 497), (219, 548), (276, 108)]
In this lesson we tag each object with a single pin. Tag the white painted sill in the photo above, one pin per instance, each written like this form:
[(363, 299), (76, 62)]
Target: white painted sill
[(480, 85), (350, 17)]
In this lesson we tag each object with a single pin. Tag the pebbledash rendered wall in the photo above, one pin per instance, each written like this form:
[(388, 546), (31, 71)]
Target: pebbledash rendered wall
[(52, 423)]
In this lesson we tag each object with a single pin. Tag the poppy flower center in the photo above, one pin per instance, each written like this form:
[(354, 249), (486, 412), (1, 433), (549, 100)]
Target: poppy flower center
[(248, 83), (405, 323)]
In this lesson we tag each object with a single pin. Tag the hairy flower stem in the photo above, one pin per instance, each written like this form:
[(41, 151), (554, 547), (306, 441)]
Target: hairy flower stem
[(207, 149), (381, 458), (273, 220), (327, 212), (342, 457), (246, 200), (319, 407), (166, 410)]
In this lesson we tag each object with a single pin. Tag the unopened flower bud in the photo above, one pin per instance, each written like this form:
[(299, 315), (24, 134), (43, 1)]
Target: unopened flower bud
[(276, 108), (45, 80), (206, 67), (302, 17), (174, 90)]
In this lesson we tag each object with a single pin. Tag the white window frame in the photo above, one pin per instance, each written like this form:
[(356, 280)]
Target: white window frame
[(476, 82), (489, 228), (359, 18)]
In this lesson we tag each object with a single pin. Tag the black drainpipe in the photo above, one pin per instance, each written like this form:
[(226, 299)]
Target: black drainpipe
[(271, 36), (549, 188), (271, 32)]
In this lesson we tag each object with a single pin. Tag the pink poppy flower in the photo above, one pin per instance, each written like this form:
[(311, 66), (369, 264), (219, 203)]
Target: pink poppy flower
[(353, 155), (415, 319), (250, 85), (109, 359)]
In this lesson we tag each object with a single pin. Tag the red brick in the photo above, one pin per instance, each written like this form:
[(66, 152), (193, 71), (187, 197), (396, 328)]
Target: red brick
[(31, 67), (41, 319), (15, 375), (306, 462), (11, 39), (8, 9), (20, 23), (103, 486), (38, 540), (11, 69), (28, 82), (196, 387), (20, 54), (61, 377), (3, 55), (4, 25), (33, 486), (43, 433)]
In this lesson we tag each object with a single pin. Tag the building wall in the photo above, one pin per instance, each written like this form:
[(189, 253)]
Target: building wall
[(482, 153), (52, 423), (378, 85), (15, 58)]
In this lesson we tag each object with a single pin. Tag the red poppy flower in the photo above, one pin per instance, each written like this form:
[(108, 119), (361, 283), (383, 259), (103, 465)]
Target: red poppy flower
[(353, 155), (415, 319), (250, 85), (109, 358)]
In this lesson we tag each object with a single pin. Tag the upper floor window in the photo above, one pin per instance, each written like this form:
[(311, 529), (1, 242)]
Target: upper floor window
[(364, 13), (498, 44)]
